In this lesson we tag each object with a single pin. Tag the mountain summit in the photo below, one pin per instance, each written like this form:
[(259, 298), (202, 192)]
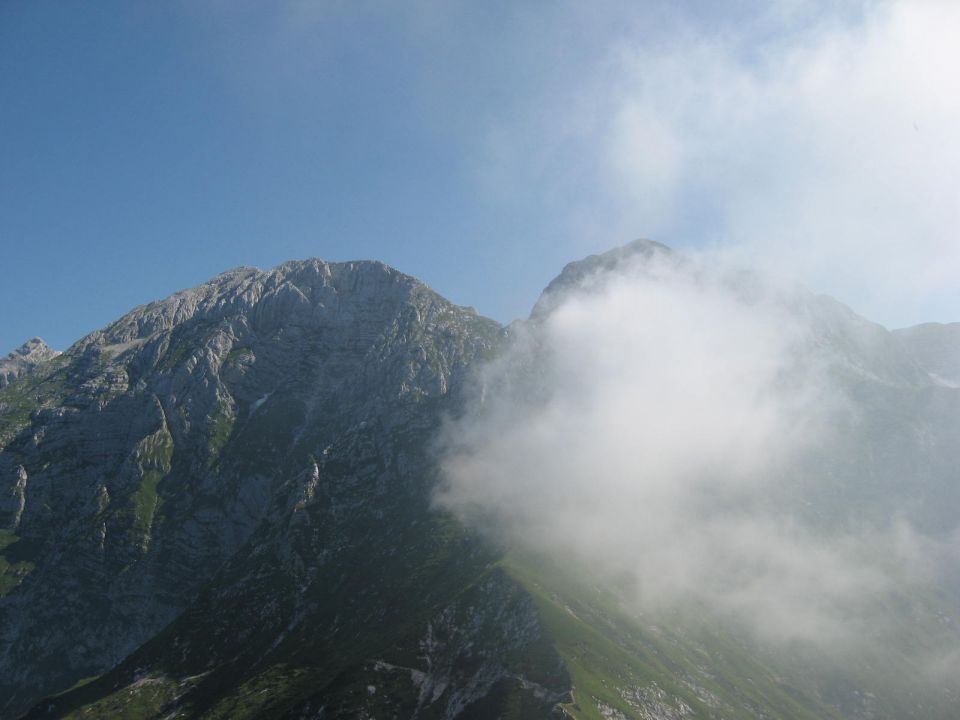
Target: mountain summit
[(24, 359), (208, 428), (579, 273)]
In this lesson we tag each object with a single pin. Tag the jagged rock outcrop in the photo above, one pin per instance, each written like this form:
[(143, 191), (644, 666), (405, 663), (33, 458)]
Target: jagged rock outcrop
[(22, 360)]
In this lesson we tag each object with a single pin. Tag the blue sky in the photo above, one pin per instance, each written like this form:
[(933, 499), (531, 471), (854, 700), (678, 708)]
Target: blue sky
[(145, 146)]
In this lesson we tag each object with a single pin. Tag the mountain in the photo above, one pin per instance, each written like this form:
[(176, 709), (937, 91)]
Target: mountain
[(222, 505), (258, 442), (591, 271), (936, 348), (24, 359)]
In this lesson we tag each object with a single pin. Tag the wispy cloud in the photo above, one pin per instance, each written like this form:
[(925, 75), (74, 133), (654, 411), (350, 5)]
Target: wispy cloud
[(817, 140)]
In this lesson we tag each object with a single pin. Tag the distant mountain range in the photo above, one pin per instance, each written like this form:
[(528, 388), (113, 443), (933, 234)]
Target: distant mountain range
[(222, 506)]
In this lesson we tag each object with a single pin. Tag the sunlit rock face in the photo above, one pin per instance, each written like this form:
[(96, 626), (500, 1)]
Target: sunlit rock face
[(22, 360), (278, 414)]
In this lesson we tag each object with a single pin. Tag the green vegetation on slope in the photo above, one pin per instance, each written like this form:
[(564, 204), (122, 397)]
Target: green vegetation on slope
[(145, 502), (44, 386), (155, 458), (219, 428), (625, 664), (143, 699), (13, 567)]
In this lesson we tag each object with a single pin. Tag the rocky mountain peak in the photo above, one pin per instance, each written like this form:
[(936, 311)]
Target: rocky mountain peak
[(287, 294), (33, 352), (283, 411), (33, 349), (580, 273)]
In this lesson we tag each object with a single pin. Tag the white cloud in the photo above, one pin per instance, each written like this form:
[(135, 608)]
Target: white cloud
[(649, 429), (815, 141), (850, 170)]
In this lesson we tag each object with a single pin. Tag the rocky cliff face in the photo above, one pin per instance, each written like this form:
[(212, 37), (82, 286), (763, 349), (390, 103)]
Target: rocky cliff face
[(257, 443)]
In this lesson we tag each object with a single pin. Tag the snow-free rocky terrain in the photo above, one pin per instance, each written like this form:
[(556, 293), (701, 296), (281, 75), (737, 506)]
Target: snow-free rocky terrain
[(221, 506)]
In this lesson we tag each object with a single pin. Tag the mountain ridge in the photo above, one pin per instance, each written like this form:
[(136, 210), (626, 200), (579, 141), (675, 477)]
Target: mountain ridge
[(163, 390), (221, 505)]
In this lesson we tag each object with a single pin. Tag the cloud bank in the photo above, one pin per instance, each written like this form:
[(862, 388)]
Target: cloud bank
[(648, 429)]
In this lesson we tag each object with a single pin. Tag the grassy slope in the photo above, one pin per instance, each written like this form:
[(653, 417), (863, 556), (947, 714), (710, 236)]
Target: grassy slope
[(703, 670), (613, 658)]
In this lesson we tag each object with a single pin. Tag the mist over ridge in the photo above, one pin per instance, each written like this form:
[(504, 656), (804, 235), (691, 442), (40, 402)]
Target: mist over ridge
[(687, 430), (679, 488)]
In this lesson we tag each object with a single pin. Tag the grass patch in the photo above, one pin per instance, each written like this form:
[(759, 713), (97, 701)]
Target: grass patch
[(146, 501), (80, 683), (12, 569), (240, 356), (267, 694), (145, 699), (155, 456), (7, 538), (220, 428), (174, 356)]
